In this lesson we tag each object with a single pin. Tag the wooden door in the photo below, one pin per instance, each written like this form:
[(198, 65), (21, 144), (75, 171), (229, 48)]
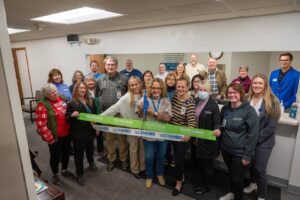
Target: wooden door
[(99, 58), (22, 73)]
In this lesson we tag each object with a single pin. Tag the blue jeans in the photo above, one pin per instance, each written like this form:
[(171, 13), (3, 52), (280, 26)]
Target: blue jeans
[(152, 147)]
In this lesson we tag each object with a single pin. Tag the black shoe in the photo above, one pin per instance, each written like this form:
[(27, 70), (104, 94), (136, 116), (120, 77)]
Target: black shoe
[(137, 176), (55, 179), (93, 167), (110, 166), (201, 190), (67, 174), (142, 174), (124, 165), (175, 192), (81, 180)]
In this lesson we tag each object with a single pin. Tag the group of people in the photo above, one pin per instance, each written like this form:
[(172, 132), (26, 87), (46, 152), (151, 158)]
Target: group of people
[(244, 127)]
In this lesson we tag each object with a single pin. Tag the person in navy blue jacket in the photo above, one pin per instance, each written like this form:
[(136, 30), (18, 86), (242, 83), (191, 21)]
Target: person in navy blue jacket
[(284, 82), (267, 108), (130, 71)]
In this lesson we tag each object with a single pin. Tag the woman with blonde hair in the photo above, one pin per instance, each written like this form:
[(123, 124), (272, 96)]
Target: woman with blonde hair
[(126, 107), (160, 110), (267, 108)]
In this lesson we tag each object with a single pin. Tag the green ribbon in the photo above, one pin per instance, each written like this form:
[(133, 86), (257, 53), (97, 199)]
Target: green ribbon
[(149, 125)]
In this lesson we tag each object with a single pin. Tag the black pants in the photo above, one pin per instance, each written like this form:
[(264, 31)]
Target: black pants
[(206, 168), (237, 172), (34, 165), (60, 148), (81, 145), (180, 149), (258, 170), (100, 142)]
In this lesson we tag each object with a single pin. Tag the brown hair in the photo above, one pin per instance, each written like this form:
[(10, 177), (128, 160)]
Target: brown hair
[(237, 87), (86, 97), (52, 73), (184, 73), (134, 78), (94, 61), (272, 104), (169, 75), (74, 76), (286, 54), (162, 86), (144, 74), (184, 79)]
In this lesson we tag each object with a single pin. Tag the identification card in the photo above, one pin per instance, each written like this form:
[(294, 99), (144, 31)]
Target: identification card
[(224, 123), (274, 79), (183, 110)]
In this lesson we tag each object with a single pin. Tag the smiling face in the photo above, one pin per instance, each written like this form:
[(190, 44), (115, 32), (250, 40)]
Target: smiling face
[(171, 81), (82, 90), (285, 62), (94, 67), (90, 84), (212, 64), (56, 78), (129, 64), (258, 85), (134, 86), (243, 73), (196, 82), (78, 77), (233, 96), (162, 68), (156, 90), (194, 59), (148, 78), (111, 67), (181, 88), (53, 95), (180, 69)]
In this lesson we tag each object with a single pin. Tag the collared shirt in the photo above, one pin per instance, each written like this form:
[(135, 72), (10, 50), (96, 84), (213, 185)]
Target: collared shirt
[(213, 81), (133, 72), (162, 76)]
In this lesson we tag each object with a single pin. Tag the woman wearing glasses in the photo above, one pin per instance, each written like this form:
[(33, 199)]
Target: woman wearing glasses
[(238, 139), (160, 110)]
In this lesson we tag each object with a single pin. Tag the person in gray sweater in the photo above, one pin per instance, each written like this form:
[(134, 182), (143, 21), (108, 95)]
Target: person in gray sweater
[(239, 134)]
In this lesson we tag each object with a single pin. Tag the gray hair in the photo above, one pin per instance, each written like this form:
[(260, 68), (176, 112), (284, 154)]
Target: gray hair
[(206, 84), (89, 77), (48, 88), (114, 59), (244, 67)]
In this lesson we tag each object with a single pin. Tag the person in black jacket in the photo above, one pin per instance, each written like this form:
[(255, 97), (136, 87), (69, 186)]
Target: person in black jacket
[(267, 108), (82, 132), (238, 138), (207, 117)]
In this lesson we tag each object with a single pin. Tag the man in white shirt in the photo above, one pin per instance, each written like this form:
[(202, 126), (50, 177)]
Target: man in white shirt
[(194, 67), (162, 73)]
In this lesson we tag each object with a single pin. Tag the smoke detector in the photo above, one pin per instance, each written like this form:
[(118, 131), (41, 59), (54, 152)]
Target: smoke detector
[(39, 26), (91, 41)]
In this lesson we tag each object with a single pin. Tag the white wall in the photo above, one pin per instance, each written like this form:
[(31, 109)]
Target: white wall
[(238, 35)]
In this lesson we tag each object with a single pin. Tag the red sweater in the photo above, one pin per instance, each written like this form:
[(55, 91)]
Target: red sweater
[(59, 107)]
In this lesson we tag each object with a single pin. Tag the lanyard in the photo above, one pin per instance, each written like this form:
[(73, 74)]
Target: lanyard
[(156, 108)]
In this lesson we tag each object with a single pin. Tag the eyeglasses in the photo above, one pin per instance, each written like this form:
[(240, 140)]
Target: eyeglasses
[(232, 93), (155, 88), (196, 81)]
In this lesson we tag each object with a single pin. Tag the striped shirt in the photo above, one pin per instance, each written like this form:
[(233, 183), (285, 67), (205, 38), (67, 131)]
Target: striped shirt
[(183, 112)]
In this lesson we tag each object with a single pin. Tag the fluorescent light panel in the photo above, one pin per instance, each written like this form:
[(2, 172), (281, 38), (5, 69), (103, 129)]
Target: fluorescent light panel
[(78, 15), (14, 30)]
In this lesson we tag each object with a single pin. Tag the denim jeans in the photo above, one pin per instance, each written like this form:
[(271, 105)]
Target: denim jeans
[(152, 147)]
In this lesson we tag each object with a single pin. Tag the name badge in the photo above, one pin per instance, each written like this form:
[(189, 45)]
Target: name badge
[(208, 112), (224, 123), (183, 110), (274, 79), (119, 94)]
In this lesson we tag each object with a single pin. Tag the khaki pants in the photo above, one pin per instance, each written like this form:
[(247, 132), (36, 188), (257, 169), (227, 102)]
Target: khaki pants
[(137, 154), (110, 145)]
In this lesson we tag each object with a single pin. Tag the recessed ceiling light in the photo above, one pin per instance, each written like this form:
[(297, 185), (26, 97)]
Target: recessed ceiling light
[(78, 15), (14, 30)]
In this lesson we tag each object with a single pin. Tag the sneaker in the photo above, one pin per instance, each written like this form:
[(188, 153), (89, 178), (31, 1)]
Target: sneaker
[(67, 174), (161, 180), (148, 183), (250, 188), (228, 196), (110, 166), (55, 179), (93, 167), (81, 180), (124, 165)]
